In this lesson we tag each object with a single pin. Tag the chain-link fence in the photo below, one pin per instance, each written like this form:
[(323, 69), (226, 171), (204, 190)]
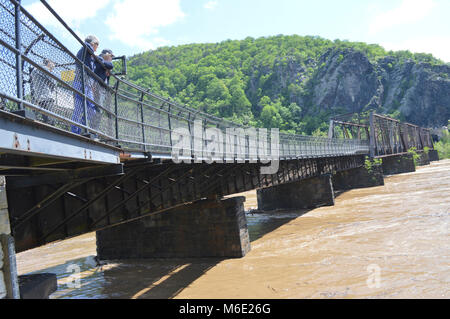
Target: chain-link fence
[(40, 75)]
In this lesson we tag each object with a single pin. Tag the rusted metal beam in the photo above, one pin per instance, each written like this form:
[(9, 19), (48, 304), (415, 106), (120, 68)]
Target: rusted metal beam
[(44, 203), (65, 177)]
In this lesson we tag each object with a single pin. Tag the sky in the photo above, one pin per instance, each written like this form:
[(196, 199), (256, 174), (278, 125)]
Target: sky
[(129, 27)]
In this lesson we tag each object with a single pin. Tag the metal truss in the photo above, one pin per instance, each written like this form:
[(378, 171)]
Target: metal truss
[(391, 137), (57, 206), (387, 136)]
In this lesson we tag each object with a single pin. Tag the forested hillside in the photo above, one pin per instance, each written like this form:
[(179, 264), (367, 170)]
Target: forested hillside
[(296, 83)]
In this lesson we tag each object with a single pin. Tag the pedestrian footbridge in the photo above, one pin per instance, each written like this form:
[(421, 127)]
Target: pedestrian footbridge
[(141, 156)]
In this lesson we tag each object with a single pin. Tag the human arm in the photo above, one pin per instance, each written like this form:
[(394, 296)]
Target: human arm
[(107, 61)]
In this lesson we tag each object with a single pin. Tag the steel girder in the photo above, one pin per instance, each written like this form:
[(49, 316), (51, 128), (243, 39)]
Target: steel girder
[(60, 208)]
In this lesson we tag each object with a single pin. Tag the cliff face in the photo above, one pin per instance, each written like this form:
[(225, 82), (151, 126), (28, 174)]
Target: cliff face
[(423, 92), (419, 91), (348, 80)]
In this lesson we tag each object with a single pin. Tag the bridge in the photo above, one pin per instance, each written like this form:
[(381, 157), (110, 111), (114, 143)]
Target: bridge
[(150, 175)]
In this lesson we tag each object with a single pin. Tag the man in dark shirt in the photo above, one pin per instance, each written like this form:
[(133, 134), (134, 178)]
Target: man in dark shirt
[(85, 54), (103, 93), (104, 71)]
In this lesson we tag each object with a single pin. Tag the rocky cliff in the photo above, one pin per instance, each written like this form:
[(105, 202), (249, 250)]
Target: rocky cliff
[(418, 92)]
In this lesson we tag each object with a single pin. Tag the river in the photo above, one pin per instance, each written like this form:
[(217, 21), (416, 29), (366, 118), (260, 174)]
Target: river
[(390, 241)]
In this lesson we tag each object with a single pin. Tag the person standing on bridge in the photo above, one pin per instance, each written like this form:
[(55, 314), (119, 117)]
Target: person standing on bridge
[(43, 89), (86, 55), (103, 68)]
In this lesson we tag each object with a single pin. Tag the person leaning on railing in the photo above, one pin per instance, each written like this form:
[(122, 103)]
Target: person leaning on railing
[(43, 89), (103, 68), (85, 54)]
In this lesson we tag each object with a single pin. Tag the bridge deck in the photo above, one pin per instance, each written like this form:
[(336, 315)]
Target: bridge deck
[(26, 144)]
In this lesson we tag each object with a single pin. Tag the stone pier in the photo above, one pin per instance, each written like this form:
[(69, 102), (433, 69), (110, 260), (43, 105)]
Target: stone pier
[(359, 178), (433, 155), (423, 159), (9, 286), (398, 164), (37, 286), (205, 228), (308, 193)]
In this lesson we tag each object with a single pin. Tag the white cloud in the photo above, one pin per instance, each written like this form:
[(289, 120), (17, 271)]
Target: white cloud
[(439, 46), (134, 22), (72, 12), (211, 5), (408, 11)]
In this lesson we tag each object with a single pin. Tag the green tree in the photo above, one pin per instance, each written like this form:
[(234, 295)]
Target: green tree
[(239, 101), (270, 117)]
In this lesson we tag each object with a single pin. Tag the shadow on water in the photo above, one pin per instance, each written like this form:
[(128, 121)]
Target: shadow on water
[(125, 279), (159, 278), (81, 270), (262, 223)]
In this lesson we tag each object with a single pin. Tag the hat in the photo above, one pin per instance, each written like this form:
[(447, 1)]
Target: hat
[(107, 51)]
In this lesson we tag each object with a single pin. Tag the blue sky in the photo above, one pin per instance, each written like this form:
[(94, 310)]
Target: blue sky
[(133, 26)]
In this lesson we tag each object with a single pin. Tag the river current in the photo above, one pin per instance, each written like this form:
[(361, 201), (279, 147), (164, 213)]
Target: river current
[(391, 241)]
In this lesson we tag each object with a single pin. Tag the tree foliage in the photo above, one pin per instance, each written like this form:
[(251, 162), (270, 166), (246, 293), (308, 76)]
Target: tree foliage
[(443, 145)]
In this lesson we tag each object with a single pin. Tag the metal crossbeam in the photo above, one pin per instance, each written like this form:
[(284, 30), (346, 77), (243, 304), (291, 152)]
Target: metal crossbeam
[(65, 177), (22, 137)]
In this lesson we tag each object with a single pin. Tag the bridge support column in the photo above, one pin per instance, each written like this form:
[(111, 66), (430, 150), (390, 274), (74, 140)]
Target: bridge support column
[(202, 229), (308, 193), (361, 177), (9, 286), (423, 159), (398, 164), (433, 155)]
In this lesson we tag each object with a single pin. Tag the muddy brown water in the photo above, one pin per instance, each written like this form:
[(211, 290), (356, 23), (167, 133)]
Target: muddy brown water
[(390, 241)]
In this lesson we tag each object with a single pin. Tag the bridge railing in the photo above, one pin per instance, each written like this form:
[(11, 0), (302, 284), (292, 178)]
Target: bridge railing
[(123, 114)]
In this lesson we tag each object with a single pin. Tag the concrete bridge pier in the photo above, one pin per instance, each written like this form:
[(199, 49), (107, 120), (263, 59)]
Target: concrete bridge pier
[(12, 286), (360, 177), (207, 228), (433, 155), (9, 283), (398, 164), (309, 193), (423, 159)]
